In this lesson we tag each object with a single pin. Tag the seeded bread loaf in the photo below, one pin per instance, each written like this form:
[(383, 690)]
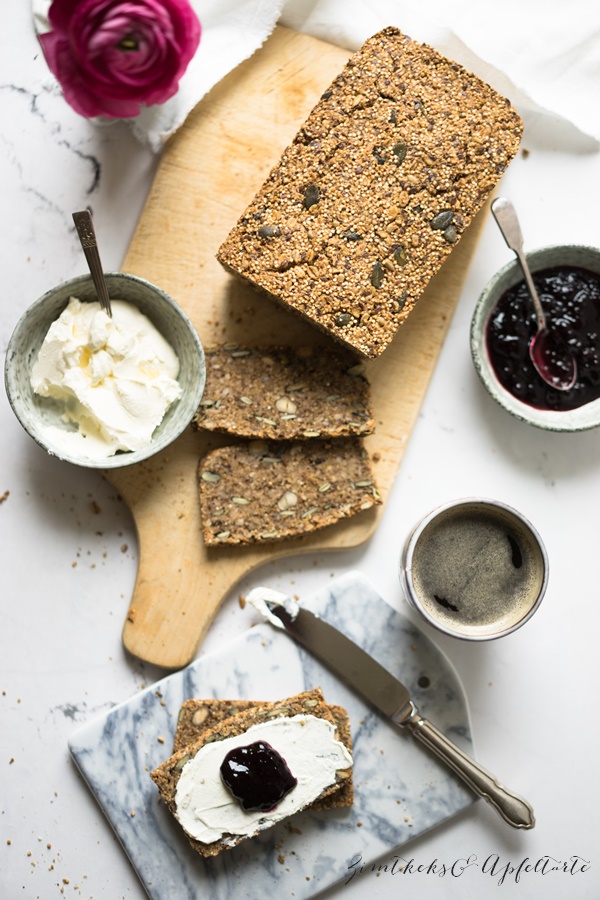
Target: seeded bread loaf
[(375, 190), (284, 393), (198, 717), (261, 492), (167, 775)]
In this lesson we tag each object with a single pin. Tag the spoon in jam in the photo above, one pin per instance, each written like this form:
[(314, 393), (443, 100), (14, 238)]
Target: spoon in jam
[(550, 357), (87, 238)]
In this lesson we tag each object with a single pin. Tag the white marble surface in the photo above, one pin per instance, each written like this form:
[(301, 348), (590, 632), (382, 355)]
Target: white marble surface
[(400, 790), (68, 548)]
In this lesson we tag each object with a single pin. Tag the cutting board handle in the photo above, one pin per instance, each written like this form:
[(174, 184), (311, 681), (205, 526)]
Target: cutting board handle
[(180, 582)]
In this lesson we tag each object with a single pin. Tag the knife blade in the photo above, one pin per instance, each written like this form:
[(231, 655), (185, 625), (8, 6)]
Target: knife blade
[(388, 695)]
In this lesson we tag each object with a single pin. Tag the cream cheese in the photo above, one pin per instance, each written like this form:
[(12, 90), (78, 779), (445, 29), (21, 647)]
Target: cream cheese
[(116, 377), (207, 810), (263, 599)]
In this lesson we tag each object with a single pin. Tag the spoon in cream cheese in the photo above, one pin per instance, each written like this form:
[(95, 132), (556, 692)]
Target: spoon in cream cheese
[(550, 357), (87, 238)]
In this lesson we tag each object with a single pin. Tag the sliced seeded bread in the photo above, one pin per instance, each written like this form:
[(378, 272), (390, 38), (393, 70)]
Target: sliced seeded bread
[(198, 717), (375, 190), (282, 393), (166, 776), (261, 492)]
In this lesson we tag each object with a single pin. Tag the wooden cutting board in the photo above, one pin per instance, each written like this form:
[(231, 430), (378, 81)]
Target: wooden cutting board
[(208, 173)]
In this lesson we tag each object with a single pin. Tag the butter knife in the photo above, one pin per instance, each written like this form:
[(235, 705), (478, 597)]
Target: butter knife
[(386, 694)]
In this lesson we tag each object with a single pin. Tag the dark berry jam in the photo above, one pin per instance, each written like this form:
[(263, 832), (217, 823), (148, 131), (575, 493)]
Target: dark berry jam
[(257, 776), (570, 298)]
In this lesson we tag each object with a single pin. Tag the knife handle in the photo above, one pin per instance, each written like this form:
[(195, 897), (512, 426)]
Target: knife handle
[(513, 809)]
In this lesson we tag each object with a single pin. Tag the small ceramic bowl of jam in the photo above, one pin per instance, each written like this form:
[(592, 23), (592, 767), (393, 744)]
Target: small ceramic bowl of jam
[(568, 283)]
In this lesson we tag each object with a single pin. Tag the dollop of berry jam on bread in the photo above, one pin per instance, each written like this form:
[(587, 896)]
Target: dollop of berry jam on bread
[(257, 775)]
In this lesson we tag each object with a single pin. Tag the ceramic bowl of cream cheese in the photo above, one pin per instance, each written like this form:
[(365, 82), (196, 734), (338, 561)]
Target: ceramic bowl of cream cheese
[(146, 361), (567, 279)]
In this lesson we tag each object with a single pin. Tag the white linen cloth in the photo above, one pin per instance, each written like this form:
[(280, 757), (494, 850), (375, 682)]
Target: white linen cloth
[(544, 55)]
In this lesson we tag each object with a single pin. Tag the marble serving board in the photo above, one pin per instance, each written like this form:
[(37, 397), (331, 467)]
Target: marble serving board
[(400, 789)]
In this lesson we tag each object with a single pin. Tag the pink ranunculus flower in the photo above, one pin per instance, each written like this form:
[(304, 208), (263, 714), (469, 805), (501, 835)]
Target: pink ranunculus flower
[(111, 57)]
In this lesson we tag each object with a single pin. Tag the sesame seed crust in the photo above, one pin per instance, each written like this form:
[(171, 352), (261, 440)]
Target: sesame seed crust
[(375, 191)]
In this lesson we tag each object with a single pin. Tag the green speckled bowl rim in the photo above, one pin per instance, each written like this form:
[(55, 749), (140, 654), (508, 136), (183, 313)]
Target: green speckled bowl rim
[(34, 413), (581, 419)]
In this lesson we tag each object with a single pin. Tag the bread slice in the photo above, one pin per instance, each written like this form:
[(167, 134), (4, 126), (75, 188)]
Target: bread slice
[(166, 776), (261, 492), (198, 717), (284, 393)]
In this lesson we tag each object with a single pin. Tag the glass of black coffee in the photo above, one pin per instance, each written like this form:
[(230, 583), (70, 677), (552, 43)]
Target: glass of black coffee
[(475, 569)]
